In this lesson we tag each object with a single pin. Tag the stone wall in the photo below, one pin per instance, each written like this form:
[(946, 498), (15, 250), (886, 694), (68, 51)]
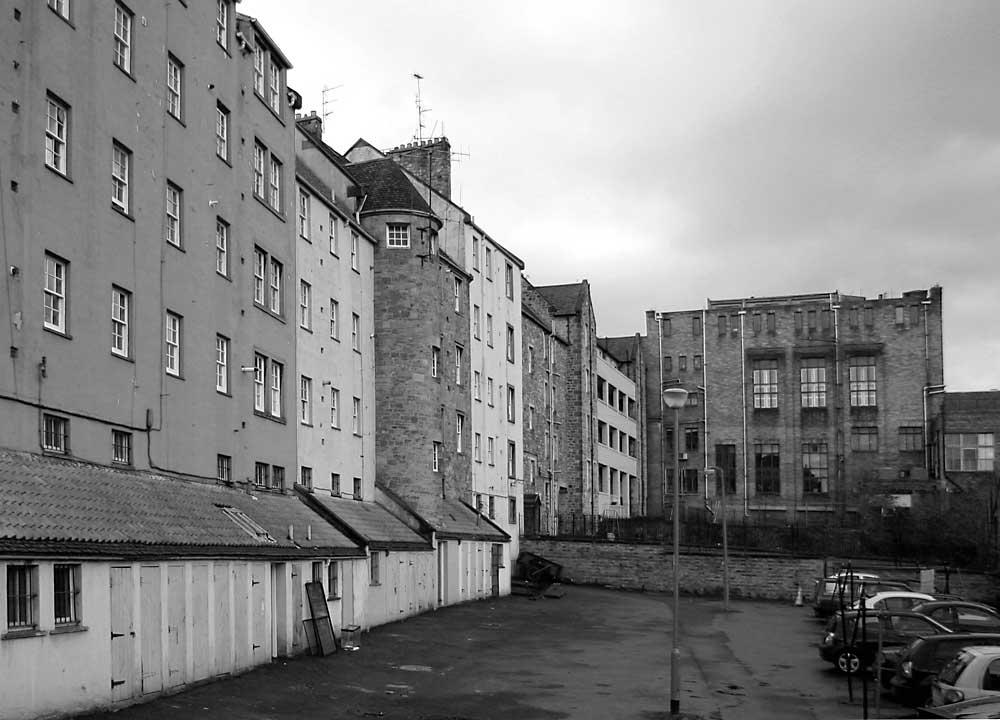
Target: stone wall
[(649, 566)]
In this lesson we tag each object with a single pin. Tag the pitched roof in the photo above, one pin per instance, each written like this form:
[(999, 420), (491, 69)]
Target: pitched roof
[(45, 500), (371, 523), (620, 348), (564, 299), (388, 187), (455, 519)]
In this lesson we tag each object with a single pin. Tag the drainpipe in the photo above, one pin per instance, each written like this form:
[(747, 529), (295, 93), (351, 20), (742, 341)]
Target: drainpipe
[(743, 395), (663, 477), (839, 437), (704, 389), (927, 391)]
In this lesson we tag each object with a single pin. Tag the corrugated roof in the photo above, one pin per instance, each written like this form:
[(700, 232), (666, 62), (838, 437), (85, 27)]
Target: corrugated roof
[(564, 299), (44, 498), (373, 523), (387, 187)]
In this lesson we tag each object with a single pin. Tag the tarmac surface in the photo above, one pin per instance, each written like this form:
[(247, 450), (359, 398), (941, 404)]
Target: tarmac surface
[(593, 653)]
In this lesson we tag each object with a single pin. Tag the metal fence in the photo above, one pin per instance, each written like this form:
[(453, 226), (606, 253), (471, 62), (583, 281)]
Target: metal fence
[(896, 536)]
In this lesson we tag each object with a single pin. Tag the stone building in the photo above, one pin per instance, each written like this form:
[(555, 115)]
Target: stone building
[(424, 440), (545, 355), (806, 403)]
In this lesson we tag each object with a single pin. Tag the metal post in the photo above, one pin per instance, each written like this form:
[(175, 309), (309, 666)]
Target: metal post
[(725, 546), (675, 653)]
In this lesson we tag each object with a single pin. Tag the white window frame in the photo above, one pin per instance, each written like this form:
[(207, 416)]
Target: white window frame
[(490, 450), (259, 383), (69, 575), (305, 305), (222, 23), (356, 332), (477, 447), (305, 201), (305, 400), (397, 235), (27, 578), (511, 404), (509, 281), (334, 244), (477, 385), (221, 247), (457, 290), (172, 324), (222, 364), (259, 63), (335, 408), (334, 319), (120, 321), (489, 329), (476, 317), (123, 37), (222, 132), (60, 8), (175, 87), (356, 416), (435, 361), (459, 354), (354, 250), (274, 186), (259, 276), (259, 161), (55, 433), (275, 270), (121, 168), (174, 206), (57, 134), (435, 456), (274, 86), (459, 432), (277, 382), (121, 447), (489, 391), (55, 293)]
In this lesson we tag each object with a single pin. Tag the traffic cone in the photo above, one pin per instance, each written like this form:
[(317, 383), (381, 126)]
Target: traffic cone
[(798, 597)]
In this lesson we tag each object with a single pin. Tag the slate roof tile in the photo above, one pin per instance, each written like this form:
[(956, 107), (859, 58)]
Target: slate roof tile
[(44, 498)]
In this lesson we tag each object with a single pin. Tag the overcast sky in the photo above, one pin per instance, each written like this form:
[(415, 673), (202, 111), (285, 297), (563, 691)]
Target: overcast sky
[(671, 152)]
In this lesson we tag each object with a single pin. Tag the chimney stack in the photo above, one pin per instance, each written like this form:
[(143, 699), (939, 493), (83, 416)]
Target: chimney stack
[(311, 124), (429, 161)]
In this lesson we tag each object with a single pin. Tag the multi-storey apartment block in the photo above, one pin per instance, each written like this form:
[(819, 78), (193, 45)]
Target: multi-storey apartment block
[(803, 402), (619, 428), (545, 355), (335, 410), (426, 441), (149, 386)]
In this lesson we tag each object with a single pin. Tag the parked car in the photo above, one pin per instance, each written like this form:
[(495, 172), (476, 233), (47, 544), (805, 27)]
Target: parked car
[(974, 672), (849, 586), (962, 616), (852, 645), (910, 673), (893, 600), (975, 709)]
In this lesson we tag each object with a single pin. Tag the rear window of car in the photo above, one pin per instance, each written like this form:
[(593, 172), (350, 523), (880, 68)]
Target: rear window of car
[(950, 673)]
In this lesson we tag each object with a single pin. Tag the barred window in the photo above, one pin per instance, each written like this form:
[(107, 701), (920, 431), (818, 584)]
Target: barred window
[(767, 467), (66, 594)]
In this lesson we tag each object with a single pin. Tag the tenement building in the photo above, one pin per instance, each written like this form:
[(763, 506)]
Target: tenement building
[(425, 442), (148, 398), (545, 354), (806, 404)]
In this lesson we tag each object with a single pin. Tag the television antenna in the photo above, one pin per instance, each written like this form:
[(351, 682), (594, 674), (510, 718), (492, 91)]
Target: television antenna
[(420, 110), (328, 102)]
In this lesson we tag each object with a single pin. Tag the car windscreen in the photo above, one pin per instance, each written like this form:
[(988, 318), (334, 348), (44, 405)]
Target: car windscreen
[(949, 674)]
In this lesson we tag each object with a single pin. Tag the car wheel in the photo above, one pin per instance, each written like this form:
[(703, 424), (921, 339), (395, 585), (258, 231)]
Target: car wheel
[(848, 662)]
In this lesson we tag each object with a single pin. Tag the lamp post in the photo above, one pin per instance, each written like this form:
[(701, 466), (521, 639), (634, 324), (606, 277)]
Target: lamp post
[(674, 398)]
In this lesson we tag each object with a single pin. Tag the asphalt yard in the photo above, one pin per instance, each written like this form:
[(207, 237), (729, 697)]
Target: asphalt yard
[(594, 653)]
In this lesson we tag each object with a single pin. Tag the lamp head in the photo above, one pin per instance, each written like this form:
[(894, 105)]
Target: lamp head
[(675, 397)]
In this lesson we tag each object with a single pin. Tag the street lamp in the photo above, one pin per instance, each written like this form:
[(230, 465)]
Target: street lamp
[(674, 398)]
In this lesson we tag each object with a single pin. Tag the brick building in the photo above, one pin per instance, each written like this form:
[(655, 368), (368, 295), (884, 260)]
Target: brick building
[(807, 403)]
